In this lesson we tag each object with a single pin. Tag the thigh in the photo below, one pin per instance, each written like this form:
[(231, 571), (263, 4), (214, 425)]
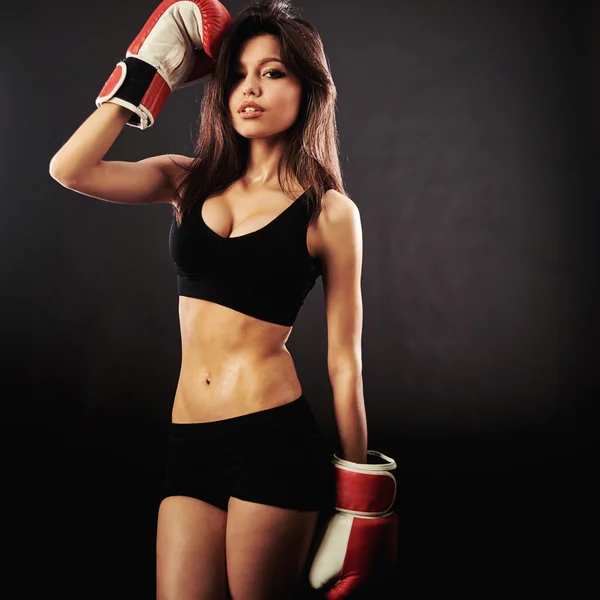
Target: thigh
[(190, 550), (266, 549)]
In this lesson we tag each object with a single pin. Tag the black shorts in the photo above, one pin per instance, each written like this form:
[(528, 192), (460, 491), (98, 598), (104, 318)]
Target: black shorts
[(276, 456)]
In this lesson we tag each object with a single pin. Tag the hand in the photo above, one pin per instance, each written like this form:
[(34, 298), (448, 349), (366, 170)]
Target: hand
[(176, 47), (361, 538)]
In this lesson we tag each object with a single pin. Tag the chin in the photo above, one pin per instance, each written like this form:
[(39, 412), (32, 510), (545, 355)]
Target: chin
[(253, 132), (259, 135)]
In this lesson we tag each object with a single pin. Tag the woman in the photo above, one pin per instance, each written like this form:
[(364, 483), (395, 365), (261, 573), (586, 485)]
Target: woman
[(260, 213)]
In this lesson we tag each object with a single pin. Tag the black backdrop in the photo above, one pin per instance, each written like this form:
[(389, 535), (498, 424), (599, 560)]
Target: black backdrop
[(469, 138)]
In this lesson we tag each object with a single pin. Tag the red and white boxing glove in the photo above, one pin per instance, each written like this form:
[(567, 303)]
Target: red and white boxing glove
[(361, 537), (176, 48)]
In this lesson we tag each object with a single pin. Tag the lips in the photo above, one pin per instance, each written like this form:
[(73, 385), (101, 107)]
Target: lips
[(253, 114), (250, 105)]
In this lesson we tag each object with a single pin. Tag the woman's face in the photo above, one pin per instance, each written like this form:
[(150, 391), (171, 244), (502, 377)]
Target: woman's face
[(269, 84)]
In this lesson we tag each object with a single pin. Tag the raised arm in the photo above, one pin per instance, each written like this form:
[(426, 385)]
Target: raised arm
[(78, 165)]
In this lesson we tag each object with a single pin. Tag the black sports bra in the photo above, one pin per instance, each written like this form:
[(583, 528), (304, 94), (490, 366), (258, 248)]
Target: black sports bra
[(266, 273)]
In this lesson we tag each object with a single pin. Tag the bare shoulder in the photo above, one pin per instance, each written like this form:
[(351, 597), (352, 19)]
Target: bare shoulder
[(338, 222), (174, 167), (337, 208)]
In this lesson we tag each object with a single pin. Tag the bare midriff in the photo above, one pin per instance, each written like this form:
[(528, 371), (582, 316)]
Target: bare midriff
[(232, 364)]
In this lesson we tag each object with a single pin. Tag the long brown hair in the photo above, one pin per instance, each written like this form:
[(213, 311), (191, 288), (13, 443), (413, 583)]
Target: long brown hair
[(311, 148)]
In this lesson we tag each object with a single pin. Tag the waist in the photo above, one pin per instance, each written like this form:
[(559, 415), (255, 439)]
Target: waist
[(242, 368), (239, 385), (266, 420), (231, 364)]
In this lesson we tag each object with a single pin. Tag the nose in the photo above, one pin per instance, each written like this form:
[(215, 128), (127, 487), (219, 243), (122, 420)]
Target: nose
[(250, 85)]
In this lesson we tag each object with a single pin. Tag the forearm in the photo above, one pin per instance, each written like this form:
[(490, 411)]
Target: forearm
[(350, 415)]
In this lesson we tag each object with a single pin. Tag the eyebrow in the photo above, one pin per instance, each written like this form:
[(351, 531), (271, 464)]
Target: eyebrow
[(264, 60)]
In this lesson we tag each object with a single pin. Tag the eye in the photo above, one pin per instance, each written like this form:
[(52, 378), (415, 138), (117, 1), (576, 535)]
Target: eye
[(276, 74)]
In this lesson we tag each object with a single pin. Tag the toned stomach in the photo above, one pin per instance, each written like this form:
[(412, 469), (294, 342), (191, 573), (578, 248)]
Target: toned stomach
[(231, 364)]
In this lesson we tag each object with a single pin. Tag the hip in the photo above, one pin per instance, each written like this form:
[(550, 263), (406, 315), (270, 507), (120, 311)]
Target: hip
[(276, 456)]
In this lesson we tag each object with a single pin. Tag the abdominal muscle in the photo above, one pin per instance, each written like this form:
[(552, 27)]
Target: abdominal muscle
[(232, 364)]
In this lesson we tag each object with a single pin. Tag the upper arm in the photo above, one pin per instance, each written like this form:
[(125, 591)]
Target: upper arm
[(341, 252), (147, 181)]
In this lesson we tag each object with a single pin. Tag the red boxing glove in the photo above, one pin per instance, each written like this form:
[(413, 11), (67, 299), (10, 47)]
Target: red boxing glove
[(176, 48), (361, 538)]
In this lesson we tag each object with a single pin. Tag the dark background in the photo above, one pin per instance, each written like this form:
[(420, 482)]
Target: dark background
[(469, 141)]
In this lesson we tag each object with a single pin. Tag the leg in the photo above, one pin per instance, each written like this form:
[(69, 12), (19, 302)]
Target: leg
[(190, 550), (266, 549)]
